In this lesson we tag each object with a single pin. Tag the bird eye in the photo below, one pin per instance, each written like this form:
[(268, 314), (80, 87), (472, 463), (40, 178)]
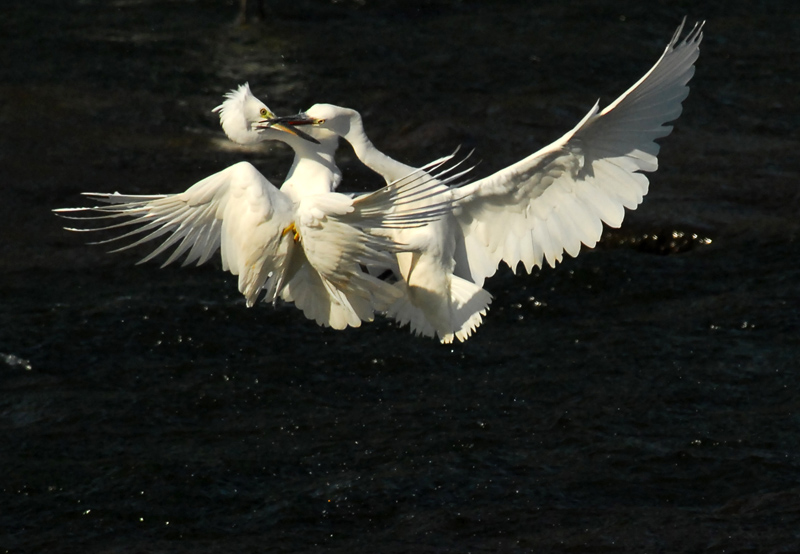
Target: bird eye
[(263, 112)]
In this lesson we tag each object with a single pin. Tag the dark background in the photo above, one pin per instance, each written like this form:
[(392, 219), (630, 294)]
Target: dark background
[(642, 397)]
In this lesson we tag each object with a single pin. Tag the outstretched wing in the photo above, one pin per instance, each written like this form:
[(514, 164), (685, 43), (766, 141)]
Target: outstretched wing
[(420, 197), (341, 236), (414, 212), (236, 210), (557, 198)]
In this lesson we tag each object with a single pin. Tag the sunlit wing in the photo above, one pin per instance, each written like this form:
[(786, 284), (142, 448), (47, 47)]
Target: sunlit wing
[(558, 198), (417, 198), (330, 284), (237, 211), (415, 211), (341, 236)]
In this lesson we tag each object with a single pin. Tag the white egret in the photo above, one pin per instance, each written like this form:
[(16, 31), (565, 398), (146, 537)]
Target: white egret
[(247, 120), (436, 299), (311, 251), (533, 211)]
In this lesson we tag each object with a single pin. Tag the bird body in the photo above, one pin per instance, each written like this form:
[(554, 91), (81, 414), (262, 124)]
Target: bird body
[(314, 281), (551, 202), (311, 252), (435, 300), (425, 298)]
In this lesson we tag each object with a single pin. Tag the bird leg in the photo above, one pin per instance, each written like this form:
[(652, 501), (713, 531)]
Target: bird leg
[(291, 228)]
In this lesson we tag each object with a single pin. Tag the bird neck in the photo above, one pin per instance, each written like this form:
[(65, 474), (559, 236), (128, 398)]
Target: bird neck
[(314, 170), (377, 161)]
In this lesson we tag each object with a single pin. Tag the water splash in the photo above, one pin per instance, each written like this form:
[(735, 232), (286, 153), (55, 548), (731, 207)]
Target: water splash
[(15, 361)]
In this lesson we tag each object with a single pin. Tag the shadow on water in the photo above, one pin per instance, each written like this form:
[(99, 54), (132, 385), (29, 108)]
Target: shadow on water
[(641, 397)]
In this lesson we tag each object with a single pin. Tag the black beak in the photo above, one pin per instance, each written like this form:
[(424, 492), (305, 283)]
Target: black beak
[(289, 125)]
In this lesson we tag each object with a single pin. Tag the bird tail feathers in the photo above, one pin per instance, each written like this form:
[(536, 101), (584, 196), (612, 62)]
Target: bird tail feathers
[(456, 318)]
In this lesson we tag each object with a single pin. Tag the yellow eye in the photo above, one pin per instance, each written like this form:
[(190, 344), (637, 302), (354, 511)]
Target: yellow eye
[(264, 112)]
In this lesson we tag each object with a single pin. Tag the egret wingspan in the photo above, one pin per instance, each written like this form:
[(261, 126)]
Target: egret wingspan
[(557, 198)]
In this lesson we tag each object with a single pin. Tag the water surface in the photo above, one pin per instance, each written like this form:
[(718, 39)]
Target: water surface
[(639, 398)]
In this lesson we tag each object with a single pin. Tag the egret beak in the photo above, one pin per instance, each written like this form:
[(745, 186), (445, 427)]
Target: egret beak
[(288, 124)]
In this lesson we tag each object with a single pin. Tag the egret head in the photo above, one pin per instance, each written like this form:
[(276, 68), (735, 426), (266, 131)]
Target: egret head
[(247, 120), (335, 119), (240, 113)]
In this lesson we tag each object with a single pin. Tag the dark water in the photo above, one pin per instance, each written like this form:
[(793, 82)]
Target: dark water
[(640, 398)]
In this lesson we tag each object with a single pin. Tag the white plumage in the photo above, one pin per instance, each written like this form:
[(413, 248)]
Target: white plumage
[(533, 211), (312, 246), (312, 252), (557, 198)]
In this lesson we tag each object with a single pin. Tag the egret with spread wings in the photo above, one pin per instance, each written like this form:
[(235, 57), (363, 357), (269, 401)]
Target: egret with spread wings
[(312, 251), (533, 211)]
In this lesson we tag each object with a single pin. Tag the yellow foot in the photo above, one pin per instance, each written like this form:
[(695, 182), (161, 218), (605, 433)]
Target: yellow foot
[(292, 228)]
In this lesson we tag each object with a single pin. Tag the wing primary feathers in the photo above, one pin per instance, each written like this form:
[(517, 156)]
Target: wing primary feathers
[(411, 201), (560, 196)]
